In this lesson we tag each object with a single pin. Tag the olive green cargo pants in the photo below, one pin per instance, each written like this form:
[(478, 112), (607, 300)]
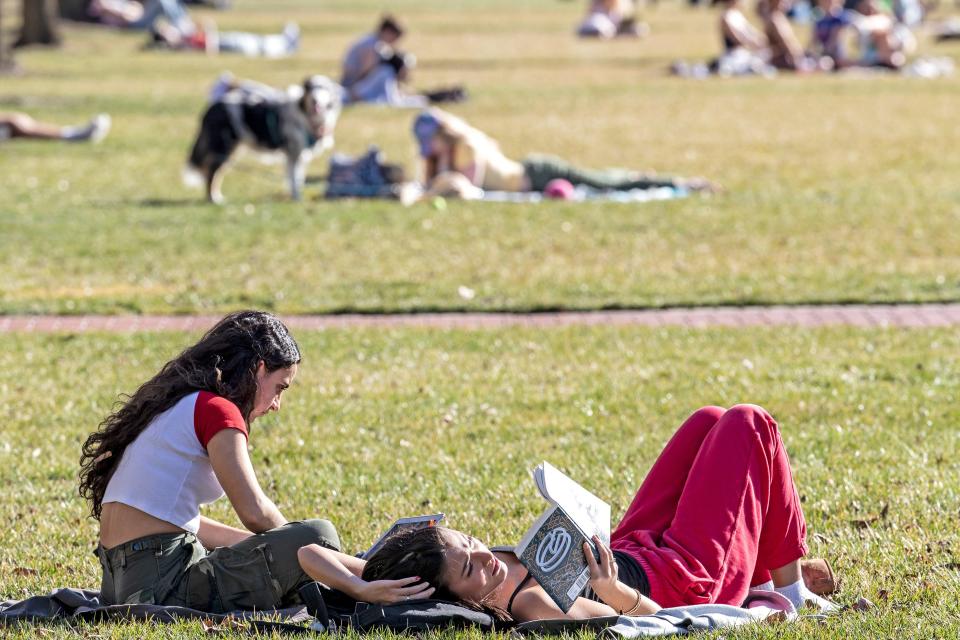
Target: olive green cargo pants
[(261, 572)]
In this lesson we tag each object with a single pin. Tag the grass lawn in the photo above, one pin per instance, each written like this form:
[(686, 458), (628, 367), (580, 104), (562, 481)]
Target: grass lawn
[(839, 188), (381, 424)]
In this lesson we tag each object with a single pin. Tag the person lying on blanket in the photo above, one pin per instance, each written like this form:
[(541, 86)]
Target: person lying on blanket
[(459, 160), (180, 442), (717, 514)]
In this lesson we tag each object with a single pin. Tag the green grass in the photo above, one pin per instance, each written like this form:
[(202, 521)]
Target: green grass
[(391, 422), (839, 188)]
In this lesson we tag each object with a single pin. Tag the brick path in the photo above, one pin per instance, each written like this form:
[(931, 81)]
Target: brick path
[(923, 315)]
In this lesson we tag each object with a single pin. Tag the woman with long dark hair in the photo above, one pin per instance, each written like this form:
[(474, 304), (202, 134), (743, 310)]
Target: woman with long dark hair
[(180, 441), (716, 515)]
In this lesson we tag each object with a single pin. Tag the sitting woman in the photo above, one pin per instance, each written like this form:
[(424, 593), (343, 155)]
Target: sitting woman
[(607, 19), (786, 52), (736, 30), (460, 160), (717, 514), (883, 41), (745, 49), (180, 441)]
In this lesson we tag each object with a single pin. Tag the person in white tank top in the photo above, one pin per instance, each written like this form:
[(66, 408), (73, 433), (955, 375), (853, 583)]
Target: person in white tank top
[(180, 442)]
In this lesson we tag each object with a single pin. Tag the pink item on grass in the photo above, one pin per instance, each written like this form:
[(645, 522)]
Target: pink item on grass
[(559, 189)]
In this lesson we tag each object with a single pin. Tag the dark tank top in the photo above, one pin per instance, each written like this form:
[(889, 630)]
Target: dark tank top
[(629, 572)]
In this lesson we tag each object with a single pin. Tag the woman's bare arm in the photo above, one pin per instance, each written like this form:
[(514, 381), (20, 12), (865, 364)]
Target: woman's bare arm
[(232, 466), (342, 572), (213, 534)]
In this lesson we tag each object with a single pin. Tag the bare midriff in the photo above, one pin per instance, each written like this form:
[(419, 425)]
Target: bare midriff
[(121, 523), (500, 173)]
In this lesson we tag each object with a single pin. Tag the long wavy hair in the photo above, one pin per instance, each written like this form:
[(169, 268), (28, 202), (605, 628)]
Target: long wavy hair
[(421, 552), (224, 362)]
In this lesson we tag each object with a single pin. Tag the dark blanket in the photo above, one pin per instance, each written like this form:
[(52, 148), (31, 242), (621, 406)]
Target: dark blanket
[(82, 604)]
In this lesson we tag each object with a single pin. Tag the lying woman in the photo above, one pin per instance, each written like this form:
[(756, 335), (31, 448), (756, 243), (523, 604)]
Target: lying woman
[(20, 125), (459, 160), (717, 514)]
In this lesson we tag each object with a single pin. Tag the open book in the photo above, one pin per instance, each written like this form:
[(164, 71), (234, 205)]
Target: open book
[(404, 524), (552, 549)]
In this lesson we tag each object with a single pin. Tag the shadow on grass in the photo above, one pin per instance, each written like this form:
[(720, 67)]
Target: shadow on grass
[(171, 202), (548, 63)]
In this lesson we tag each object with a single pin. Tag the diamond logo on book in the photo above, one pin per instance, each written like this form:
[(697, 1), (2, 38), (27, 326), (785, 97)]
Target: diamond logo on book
[(553, 549)]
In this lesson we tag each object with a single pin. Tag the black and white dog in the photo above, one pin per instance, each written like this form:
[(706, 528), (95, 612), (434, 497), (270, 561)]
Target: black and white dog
[(297, 123)]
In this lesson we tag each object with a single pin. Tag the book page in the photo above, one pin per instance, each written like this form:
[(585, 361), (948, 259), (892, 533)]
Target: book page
[(588, 511)]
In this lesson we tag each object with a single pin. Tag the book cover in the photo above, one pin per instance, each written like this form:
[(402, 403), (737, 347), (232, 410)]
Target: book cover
[(404, 524), (552, 548), (552, 551)]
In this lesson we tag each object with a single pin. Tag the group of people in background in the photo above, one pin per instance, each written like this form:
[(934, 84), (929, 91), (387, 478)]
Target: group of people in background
[(170, 25), (845, 33), (458, 159)]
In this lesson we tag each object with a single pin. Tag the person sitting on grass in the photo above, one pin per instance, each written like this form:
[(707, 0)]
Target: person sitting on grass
[(827, 39), (883, 41), (786, 52), (745, 49), (717, 514), (374, 70), (461, 161), (180, 441), (20, 125), (736, 32), (608, 19)]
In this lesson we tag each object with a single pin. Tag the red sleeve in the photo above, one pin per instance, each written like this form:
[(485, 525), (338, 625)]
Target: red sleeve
[(212, 414)]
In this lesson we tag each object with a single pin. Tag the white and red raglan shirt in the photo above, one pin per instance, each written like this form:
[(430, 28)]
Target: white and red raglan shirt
[(166, 471)]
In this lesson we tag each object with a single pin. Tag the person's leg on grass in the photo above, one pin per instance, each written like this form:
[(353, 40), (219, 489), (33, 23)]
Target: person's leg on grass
[(541, 169), (656, 501), (709, 553), (261, 572), (20, 125)]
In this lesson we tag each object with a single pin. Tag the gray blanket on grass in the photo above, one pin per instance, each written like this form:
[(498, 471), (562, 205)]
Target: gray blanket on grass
[(81, 604)]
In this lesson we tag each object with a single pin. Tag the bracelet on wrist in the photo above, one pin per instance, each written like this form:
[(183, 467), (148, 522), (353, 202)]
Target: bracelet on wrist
[(636, 606)]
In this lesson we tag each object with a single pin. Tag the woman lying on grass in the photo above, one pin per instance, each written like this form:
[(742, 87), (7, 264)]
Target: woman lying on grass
[(180, 441), (717, 514), (459, 160)]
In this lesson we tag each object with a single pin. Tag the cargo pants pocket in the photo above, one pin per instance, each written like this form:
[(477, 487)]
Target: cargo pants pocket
[(230, 579)]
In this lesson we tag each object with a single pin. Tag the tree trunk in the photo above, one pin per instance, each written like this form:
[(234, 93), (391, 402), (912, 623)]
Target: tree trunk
[(40, 23), (7, 65)]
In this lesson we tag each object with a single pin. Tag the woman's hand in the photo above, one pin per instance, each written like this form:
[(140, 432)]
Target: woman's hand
[(603, 574), (390, 591)]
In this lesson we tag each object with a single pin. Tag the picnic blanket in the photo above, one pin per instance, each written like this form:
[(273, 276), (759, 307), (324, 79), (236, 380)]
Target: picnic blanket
[(584, 194), (85, 605)]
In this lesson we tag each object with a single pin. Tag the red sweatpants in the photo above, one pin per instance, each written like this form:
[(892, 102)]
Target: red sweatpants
[(717, 511)]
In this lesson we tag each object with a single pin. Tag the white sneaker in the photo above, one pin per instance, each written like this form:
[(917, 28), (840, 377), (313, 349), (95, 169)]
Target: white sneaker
[(100, 127)]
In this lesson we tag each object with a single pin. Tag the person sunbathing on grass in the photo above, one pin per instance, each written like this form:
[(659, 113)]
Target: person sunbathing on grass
[(21, 125), (180, 441), (460, 160), (716, 515)]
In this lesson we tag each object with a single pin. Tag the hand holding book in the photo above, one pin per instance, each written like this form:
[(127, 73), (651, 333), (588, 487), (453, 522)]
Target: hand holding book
[(603, 573), (605, 582)]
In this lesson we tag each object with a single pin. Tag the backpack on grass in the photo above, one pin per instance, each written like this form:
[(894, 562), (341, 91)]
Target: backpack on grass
[(332, 608)]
